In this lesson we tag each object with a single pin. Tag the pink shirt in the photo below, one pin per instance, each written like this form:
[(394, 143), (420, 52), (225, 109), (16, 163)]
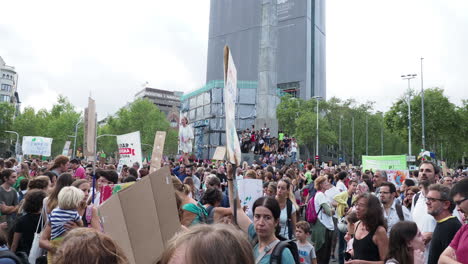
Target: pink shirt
[(460, 244), (80, 173)]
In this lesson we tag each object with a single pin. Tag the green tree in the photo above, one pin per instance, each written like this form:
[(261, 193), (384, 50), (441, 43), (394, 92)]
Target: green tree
[(7, 112)]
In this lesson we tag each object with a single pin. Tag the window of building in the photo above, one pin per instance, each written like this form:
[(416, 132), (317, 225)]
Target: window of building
[(4, 98), (291, 88), (6, 87)]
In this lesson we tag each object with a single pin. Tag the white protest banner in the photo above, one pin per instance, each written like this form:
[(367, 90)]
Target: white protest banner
[(129, 149), (66, 148), (36, 146), (90, 129), (249, 191), (220, 153), (230, 97), (158, 149)]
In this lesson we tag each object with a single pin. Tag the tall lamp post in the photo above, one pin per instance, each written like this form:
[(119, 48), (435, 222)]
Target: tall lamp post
[(422, 108), (409, 77), (352, 151), (339, 142), (17, 140), (317, 130)]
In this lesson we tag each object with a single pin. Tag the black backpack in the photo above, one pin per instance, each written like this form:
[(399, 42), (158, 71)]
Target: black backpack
[(278, 251), (210, 218), (289, 206), (7, 254)]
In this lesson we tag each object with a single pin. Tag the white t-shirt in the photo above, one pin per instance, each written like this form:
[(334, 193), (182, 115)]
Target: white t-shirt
[(424, 221), (284, 221), (331, 193), (341, 186), (326, 220), (293, 147)]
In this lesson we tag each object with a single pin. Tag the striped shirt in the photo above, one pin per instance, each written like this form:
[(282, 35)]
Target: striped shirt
[(58, 218)]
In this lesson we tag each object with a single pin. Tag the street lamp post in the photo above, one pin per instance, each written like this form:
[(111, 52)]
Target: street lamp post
[(352, 130), (381, 140), (74, 140), (339, 142), (422, 108), (409, 77), (17, 140), (367, 135), (317, 130)]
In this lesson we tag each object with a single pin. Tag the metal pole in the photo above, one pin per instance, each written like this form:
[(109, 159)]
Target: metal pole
[(317, 135), (381, 141), (339, 143), (74, 140), (367, 136), (353, 140), (422, 108), (409, 118)]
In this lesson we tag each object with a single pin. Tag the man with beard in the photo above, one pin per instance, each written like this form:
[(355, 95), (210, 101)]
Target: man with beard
[(440, 206)]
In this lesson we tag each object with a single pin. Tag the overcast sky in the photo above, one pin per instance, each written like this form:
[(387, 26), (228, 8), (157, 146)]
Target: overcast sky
[(111, 48)]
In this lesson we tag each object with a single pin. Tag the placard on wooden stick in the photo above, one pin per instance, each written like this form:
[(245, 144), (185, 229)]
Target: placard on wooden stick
[(220, 153), (158, 149)]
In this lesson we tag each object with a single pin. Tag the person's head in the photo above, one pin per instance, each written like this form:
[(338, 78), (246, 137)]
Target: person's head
[(212, 196), (33, 201), (387, 193), (342, 175), (86, 245), (52, 178), (405, 238), (136, 165), (271, 189), (321, 183), (427, 173), (459, 194), (69, 198), (448, 181), (24, 170), (65, 179), (203, 244), (84, 186), (40, 183), (352, 186), (9, 176), (106, 177), (130, 179), (369, 211), (380, 176), (23, 184), (133, 172), (411, 191), (302, 230), (8, 164), (184, 121), (266, 211), (75, 163), (60, 164), (213, 182), (188, 171), (283, 188), (250, 174), (438, 200)]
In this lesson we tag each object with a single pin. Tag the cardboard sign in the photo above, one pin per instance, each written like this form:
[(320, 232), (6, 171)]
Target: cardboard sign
[(343, 164), (397, 177), (129, 149), (249, 191), (90, 128), (66, 148), (143, 217), (444, 168), (219, 153), (158, 149), (230, 97), (37, 146)]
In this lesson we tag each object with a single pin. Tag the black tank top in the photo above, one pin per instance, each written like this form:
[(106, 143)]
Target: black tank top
[(366, 249)]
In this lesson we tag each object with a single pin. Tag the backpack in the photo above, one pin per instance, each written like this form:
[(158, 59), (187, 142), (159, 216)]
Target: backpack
[(210, 217), (311, 214), (7, 254), (416, 197), (289, 206), (277, 252), (399, 211)]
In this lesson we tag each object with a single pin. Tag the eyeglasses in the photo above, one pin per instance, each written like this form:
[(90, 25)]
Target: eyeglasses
[(385, 192), (429, 199), (461, 201)]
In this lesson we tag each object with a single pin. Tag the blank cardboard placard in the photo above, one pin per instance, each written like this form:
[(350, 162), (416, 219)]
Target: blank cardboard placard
[(220, 153), (158, 149)]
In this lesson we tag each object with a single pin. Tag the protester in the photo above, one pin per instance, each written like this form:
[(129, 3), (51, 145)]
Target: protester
[(211, 200), (51, 201), (191, 212), (393, 211), (406, 244), (322, 230), (8, 197), (23, 174), (204, 244), (440, 206), (60, 165), (89, 213), (78, 170), (370, 243), (306, 249), (26, 225), (288, 216), (457, 251), (379, 177), (185, 139), (86, 246), (409, 194)]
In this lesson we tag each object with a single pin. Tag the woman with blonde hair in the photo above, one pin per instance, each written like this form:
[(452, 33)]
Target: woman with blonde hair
[(288, 206), (89, 213), (86, 245), (202, 244), (191, 212), (23, 174)]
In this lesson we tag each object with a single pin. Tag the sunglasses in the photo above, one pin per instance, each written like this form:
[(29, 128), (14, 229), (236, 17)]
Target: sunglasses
[(461, 201), (430, 199)]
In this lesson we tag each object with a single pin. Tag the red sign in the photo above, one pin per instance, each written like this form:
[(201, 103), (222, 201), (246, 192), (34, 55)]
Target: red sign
[(316, 157), (127, 151)]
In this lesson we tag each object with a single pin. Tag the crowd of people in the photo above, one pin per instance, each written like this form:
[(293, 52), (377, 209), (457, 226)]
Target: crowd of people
[(307, 214), (272, 150)]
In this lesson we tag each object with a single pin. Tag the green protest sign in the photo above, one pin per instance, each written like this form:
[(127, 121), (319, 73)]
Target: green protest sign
[(391, 162)]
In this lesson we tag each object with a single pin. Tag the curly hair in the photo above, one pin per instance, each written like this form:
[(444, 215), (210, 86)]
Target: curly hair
[(33, 201), (212, 196), (373, 218)]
